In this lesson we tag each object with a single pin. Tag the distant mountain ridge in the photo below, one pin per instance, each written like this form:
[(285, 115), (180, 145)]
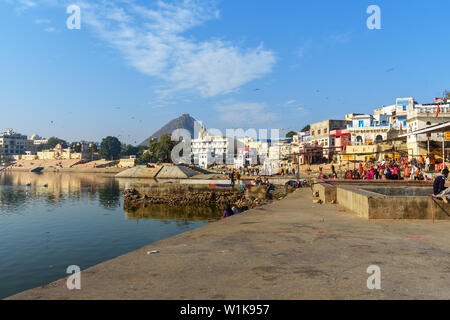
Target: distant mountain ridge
[(183, 122)]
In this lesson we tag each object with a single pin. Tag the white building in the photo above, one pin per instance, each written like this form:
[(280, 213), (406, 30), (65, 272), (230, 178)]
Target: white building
[(245, 157), (208, 150), (37, 140), (302, 138), (280, 150), (12, 143), (369, 129), (423, 116)]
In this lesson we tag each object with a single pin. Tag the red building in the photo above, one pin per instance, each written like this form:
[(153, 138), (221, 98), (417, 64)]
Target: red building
[(342, 139)]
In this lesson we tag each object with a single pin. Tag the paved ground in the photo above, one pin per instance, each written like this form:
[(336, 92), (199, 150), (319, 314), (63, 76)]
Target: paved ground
[(290, 249)]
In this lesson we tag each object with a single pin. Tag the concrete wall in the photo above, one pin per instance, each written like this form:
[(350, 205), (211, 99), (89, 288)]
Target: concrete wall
[(327, 192), (400, 208), (353, 201), (373, 205)]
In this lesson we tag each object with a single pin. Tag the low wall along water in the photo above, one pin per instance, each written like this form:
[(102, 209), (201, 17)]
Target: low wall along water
[(180, 194)]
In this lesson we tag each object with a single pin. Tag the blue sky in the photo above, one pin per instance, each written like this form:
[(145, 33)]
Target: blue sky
[(134, 65)]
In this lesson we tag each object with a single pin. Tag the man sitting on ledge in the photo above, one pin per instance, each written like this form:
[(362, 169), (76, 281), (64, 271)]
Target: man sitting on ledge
[(439, 189)]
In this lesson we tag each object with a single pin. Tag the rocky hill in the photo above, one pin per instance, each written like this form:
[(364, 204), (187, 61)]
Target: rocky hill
[(183, 122)]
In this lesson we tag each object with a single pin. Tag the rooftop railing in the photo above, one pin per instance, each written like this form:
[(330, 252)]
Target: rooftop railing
[(430, 110)]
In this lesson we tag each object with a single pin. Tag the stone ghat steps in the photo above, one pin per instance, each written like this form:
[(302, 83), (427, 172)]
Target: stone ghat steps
[(140, 172)]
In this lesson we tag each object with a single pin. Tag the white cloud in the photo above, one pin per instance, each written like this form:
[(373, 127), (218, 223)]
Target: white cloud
[(245, 113), (340, 38), (154, 38), (155, 42), (42, 21), (50, 29), (26, 3), (291, 102)]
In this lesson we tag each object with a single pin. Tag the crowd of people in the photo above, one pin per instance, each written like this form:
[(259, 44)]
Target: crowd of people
[(385, 170), (287, 171)]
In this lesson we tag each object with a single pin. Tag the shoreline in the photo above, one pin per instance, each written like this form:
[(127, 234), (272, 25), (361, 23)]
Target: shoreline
[(288, 249), (71, 170)]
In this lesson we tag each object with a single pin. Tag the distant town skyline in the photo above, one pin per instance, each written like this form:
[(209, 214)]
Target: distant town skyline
[(133, 66)]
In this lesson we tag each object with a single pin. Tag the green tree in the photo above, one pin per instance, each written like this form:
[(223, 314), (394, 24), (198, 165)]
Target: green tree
[(290, 134), (129, 150), (53, 141), (159, 151), (93, 147), (146, 157), (76, 147), (110, 148), (306, 128)]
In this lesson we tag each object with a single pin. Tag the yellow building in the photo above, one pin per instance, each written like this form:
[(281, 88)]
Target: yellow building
[(377, 152), (58, 153), (128, 162), (25, 157)]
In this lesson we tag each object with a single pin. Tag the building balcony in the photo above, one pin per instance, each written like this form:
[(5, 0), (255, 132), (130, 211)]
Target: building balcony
[(429, 111)]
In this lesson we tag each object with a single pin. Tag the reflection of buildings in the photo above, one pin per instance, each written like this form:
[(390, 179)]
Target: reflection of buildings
[(164, 212), (59, 185)]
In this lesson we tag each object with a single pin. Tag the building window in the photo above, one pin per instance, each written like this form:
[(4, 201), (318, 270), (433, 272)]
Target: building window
[(325, 130), (361, 123), (318, 132)]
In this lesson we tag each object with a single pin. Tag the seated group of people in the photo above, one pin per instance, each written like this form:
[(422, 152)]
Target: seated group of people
[(259, 181), (230, 211), (439, 189)]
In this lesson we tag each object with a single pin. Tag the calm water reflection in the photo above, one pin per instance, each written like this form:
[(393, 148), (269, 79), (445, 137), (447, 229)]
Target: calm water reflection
[(50, 221)]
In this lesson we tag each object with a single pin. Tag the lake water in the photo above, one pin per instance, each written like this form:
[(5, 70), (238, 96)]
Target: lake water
[(74, 219)]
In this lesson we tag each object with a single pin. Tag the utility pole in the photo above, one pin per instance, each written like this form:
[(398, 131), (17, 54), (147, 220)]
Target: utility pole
[(443, 150)]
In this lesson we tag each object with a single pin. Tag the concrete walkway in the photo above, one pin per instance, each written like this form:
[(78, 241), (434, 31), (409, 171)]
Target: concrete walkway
[(291, 249)]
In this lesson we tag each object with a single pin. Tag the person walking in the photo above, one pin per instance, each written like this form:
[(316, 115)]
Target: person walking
[(427, 163), (422, 163), (232, 178)]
